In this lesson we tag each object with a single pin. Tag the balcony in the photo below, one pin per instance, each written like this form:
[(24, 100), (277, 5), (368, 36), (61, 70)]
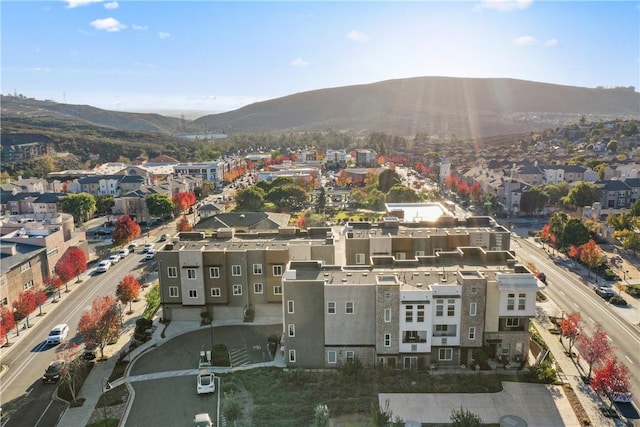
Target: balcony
[(410, 337)]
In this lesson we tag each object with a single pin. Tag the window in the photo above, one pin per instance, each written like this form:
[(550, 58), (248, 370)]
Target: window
[(277, 290), (348, 307), (359, 258), (512, 322), (445, 354), (172, 272), (236, 270), (472, 333), (511, 301), (400, 256), (331, 307), (331, 357), (173, 291), (191, 273), (290, 306), (257, 269), (292, 356), (437, 250), (451, 307), (439, 307), (419, 253), (522, 301), (5, 301), (292, 329), (193, 293), (277, 270), (214, 272), (420, 313), (28, 285), (26, 266), (387, 315), (258, 288), (473, 309), (351, 355), (387, 340), (215, 292), (237, 289), (408, 314), (474, 290)]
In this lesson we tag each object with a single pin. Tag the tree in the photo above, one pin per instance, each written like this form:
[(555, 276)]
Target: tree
[(53, 283), (232, 410), (126, 230), (465, 418), (160, 205), (583, 194), (71, 371), (321, 201), (7, 322), (25, 305), (183, 224), (184, 200), (101, 325), (632, 243), (128, 290), (574, 252), (635, 209), (475, 192), (78, 260), (387, 179), (611, 380), (591, 254), (574, 233), (321, 415), (81, 206), (451, 182), (533, 200), (556, 224), (289, 197), (40, 298), (250, 199), (104, 204), (621, 221), (343, 179), (595, 348), (571, 327), (65, 271), (556, 191), (401, 194)]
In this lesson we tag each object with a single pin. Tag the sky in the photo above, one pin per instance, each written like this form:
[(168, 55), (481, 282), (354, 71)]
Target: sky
[(212, 56)]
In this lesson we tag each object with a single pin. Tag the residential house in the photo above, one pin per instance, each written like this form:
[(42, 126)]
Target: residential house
[(614, 194), (365, 158)]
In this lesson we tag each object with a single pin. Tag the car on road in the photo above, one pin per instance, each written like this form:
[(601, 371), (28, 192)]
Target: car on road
[(151, 254), (114, 259), (58, 334), (542, 277), (604, 292), (147, 247), (164, 237), (104, 265), (123, 252), (202, 420), (132, 247), (206, 383), (89, 353), (53, 372)]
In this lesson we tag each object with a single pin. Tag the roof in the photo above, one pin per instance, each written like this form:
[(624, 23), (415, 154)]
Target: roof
[(248, 220), (613, 185), (50, 197)]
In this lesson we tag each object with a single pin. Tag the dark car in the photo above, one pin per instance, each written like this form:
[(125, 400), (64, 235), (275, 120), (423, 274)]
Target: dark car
[(542, 277), (604, 292), (53, 372), (89, 354)]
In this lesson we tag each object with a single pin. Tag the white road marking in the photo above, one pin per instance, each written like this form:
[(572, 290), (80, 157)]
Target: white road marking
[(562, 293), (627, 357)]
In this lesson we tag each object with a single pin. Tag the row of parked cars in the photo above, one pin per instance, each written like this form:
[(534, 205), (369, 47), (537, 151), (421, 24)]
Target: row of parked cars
[(105, 264)]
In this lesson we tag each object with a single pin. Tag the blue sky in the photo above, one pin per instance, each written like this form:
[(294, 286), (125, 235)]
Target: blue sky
[(218, 56)]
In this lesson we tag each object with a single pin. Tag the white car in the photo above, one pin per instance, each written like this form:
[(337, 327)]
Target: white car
[(123, 252), (147, 247), (206, 383), (151, 254), (202, 420), (58, 334), (114, 259), (103, 266)]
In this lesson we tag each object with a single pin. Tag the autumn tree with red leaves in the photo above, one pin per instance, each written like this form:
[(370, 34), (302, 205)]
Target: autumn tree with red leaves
[(53, 283), (184, 200), (591, 254), (611, 380), (183, 224), (571, 327), (101, 325), (7, 322), (40, 297), (128, 290), (451, 182), (65, 271), (78, 260), (574, 252), (25, 305), (475, 192), (595, 348), (126, 230)]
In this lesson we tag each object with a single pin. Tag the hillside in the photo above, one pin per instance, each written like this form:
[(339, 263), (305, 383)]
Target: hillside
[(435, 105)]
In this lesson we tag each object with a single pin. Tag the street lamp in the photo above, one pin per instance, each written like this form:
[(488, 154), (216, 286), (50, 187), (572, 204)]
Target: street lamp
[(105, 386)]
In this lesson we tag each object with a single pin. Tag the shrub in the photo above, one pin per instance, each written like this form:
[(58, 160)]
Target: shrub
[(153, 302), (634, 290), (542, 373), (617, 300)]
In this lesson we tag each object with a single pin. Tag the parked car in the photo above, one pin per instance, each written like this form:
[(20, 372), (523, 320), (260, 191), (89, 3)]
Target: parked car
[(132, 247), (202, 420), (147, 247), (123, 252), (53, 372), (103, 266), (89, 353), (114, 259), (604, 292), (206, 383), (151, 254), (58, 334)]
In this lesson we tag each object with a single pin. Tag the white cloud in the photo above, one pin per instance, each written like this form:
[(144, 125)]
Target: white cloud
[(110, 25), (551, 42), (164, 35), (111, 5), (505, 5), (75, 3), (525, 41), (299, 62), (357, 36), (139, 27)]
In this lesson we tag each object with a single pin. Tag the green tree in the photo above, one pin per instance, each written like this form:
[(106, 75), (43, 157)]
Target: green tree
[(80, 205), (556, 191), (104, 204), (621, 221), (583, 194), (250, 199), (575, 233), (231, 409), (557, 223), (160, 205), (632, 243), (281, 181), (533, 200), (387, 179), (465, 418), (321, 201), (401, 194), (288, 197), (635, 209)]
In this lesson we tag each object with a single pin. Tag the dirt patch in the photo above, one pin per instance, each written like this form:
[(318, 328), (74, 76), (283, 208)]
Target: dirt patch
[(581, 414)]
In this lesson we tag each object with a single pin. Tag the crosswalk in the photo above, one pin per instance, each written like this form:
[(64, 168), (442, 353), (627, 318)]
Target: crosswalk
[(239, 357)]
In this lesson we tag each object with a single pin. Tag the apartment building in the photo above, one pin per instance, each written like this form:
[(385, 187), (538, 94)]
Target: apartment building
[(208, 171)]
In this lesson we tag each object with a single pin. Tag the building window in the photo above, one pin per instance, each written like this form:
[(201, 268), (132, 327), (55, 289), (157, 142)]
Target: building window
[(193, 293), (236, 270), (215, 292), (474, 290), (292, 355), (512, 322), (439, 307), (332, 357), (28, 285), (257, 269), (173, 291), (348, 307), (359, 258), (277, 290), (473, 309), (445, 354), (290, 306), (191, 273), (214, 272), (5, 301), (291, 328), (511, 301), (419, 253), (258, 288), (26, 266), (420, 317), (437, 250), (387, 340), (277, 270), (522, 301), (387, 315), (237, 289), (172, 272), (400, 256), (331, 307), (451, 307), (351, 355), (472, 333), (408, 314)]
